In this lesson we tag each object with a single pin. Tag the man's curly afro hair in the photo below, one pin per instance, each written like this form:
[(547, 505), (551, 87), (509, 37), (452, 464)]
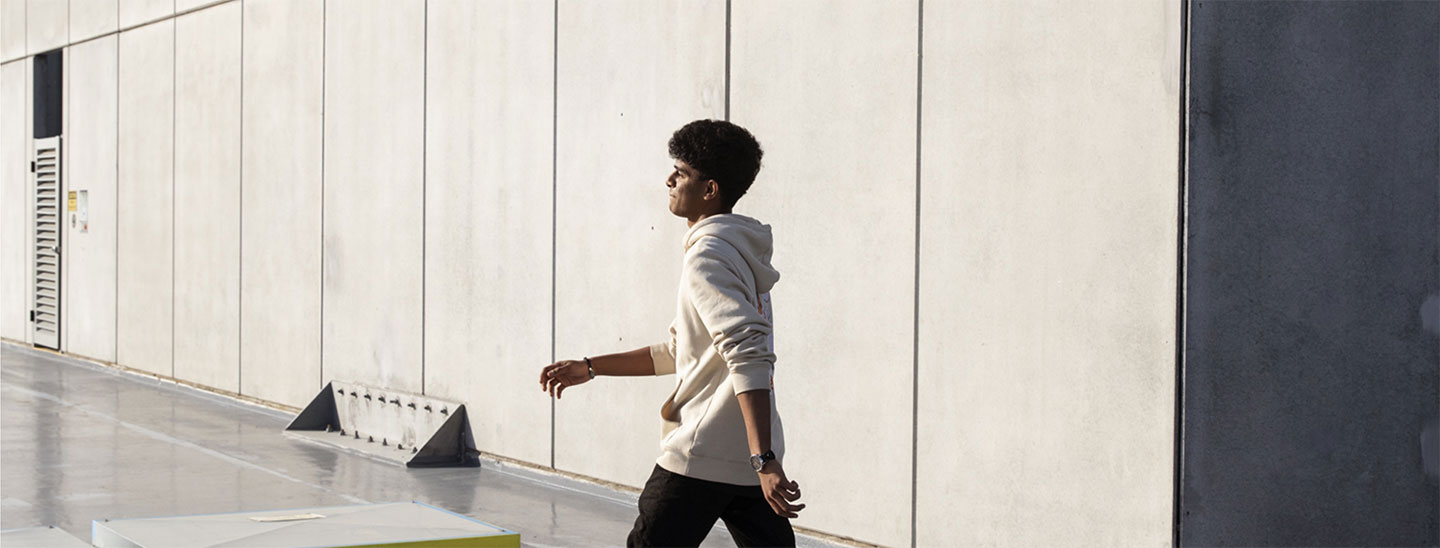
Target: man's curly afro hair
[(721, 151)]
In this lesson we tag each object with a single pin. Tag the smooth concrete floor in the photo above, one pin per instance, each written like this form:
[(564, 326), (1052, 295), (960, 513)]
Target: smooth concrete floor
[(83, 442)]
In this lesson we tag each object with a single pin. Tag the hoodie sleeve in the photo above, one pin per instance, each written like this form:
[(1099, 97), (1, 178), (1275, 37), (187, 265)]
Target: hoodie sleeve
[(663, 354), (722, 299)]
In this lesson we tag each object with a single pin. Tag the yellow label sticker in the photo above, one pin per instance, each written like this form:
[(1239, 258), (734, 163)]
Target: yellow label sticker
[(72, 200)]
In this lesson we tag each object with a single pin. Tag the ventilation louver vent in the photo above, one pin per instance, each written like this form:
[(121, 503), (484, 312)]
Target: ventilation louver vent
[(47, 243)]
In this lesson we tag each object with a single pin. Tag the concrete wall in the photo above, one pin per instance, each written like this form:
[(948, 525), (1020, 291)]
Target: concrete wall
[(16, 263), (135, 12), (1312, 364), (47, 25), (12, 29), (207, 196), (618, 248), (374, 192), (280, 208), (185, 5), (145, 199), (444, 196), (826, 166), (1047, 274), (488, 161), (91, 18), (88, 305)]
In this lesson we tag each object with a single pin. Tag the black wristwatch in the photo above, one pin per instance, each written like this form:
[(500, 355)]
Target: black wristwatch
[(758, 461)]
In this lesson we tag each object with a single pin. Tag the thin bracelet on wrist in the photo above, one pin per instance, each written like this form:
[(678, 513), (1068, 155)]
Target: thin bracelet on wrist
[(590, 367)]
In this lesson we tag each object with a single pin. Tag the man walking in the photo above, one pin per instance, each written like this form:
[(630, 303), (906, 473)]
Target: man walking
[(721, 458)]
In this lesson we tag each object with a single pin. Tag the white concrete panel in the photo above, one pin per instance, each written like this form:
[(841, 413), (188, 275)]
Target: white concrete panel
[(836, 116), (374, 205), (47, 25), (1047, 275), (91, 18), (144, 198), (487, 214), (12, 29), (89, 153), (630, 74), (15, 205), (280, 208), (207, 197), (135, 12), (183, 5)]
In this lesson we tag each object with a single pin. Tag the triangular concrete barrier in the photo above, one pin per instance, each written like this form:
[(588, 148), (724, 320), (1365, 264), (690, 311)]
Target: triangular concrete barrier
[(410, 429)]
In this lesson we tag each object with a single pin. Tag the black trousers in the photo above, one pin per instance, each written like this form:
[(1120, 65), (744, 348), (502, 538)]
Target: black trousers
[(676, 510)]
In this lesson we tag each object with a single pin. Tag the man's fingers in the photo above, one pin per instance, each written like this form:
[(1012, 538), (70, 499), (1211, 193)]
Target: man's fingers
[(778, 509), (782, 507), (790, 508), (546, 373), (791, 495), (558, 390)]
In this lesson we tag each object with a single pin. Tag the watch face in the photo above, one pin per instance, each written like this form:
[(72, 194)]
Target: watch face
[(756, 462)]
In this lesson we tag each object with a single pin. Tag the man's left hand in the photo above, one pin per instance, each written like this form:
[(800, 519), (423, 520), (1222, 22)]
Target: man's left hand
[(779, 491)]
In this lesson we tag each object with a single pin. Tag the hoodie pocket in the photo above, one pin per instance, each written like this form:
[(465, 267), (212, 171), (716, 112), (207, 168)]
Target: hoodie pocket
[(669, 416), (720, 433)]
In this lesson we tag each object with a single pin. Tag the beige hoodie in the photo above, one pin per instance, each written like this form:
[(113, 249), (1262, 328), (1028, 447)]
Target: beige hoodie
[(720, 346)]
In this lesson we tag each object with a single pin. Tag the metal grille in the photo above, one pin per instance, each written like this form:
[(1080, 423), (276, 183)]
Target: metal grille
[(47, 242)]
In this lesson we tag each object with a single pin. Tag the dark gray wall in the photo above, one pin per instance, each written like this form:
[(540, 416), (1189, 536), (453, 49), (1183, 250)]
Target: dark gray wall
[(48, 94), (1314, 214)]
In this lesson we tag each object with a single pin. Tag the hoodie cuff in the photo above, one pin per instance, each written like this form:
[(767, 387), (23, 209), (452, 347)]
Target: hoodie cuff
[(664, 361), (750, 377)]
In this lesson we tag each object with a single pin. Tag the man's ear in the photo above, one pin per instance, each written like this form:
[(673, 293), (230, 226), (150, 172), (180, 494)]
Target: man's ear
[(712, 190)]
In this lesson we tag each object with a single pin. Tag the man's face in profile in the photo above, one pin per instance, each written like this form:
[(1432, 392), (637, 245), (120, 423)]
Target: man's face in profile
[(687, 191)]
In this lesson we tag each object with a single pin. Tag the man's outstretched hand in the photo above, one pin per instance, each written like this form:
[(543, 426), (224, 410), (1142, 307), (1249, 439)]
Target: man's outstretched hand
[(558, 376), (780, 492)]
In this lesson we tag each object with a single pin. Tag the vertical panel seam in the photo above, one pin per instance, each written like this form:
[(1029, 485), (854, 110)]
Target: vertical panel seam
[(174, 104), (63, 188), (28, 145), (1182, 176), (240, 219), (554, 177), (116, 326), (727, 60), (424, 170), (324, 68), (915, 326), (64, 180)]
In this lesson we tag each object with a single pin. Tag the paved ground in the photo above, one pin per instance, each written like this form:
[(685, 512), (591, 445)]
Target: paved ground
[(83, 442)]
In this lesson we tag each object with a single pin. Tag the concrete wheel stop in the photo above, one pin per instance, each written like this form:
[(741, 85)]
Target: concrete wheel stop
[(409, 429)]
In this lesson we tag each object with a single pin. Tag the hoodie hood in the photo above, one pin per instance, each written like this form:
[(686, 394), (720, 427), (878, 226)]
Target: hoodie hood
[(749, 236)]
